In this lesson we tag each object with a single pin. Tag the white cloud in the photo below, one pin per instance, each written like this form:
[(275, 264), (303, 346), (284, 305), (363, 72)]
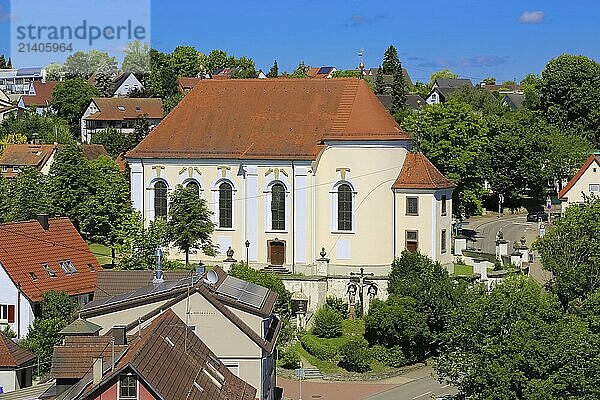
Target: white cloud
[(532, 17)]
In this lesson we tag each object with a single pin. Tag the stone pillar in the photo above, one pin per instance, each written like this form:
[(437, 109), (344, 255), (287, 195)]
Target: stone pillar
[(480, 267), (460, 244), (322, 267), (501, 248), (515, 258)]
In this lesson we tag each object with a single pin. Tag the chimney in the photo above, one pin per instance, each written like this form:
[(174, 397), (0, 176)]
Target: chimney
[(43, 220), (158, 274), (97, 370), (119, 334)]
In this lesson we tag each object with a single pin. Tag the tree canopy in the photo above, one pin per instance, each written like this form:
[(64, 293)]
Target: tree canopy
[(70, 98)]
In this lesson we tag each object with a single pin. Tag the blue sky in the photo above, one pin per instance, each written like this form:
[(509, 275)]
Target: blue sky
[(475, 39)]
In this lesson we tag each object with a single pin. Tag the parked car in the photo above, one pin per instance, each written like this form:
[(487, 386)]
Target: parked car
[(537, 216)]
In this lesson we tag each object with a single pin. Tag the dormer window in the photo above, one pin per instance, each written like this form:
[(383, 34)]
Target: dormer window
[(67, 266), (91, 267), (33, 276), (49, 270), (121, 108)]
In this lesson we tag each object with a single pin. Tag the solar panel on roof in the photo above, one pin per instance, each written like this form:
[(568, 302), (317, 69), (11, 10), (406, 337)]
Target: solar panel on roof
[(245, 292), (324, 70)]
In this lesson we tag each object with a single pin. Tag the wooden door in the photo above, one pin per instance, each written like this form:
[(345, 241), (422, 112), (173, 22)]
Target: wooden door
[(277, 253)]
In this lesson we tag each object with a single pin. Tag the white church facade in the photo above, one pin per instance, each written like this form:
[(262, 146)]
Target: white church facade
[(291, 166)]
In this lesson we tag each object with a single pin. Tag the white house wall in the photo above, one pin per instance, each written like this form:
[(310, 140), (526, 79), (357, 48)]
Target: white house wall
[(23, 311)]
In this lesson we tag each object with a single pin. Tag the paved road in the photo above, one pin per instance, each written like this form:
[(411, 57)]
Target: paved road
[(513, 227), (426, 388)]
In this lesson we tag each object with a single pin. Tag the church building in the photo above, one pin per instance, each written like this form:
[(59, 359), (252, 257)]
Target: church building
[(292, 166)]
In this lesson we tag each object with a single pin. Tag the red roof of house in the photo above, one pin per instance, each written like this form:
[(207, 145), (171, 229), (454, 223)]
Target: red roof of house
[(187, 83), (11, 354), (122, 108), (268, 119), (173, 361), (419, 173), (26, 246), (591, 159), (43, 94)]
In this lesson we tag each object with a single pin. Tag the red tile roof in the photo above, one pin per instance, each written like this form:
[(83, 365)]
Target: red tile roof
[(187, 83), (11, 354), (268, 119), (75, 357), (419, 173), (122, 108), (591, 159), (25, 246), (43, 94), (25, 155), (172, 360)]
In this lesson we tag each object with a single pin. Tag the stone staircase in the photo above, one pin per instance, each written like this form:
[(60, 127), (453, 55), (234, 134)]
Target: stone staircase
[(312, 373), (277, 269)]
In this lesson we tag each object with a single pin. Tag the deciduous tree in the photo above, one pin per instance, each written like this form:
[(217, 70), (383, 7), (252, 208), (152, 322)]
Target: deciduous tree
[(190, 222), (70, 98)]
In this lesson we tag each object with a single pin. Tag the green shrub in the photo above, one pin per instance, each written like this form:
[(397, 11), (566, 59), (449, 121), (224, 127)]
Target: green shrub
[(393, 357), (318, 347), (328, 323), (338, 305), (355, 355), (289, 358)]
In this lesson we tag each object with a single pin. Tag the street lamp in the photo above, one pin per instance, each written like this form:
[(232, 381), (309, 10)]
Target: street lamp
[(247, 247)]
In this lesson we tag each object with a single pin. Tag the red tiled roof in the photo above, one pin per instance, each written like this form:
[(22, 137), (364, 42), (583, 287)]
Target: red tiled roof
[(419, 173), (121, 108), (74, 359), (187, 83), (573, 181), (26, 155), (43, 94), (268, 119), (11, 354), (173, 362), (25, 246)]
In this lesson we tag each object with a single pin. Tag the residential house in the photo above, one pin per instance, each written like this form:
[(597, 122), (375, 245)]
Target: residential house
[(125, 83), (321, 72), (242, 309), (261, 74), (120, 113), (19, 80), (288, 166), (442, 88), (388, 80), (39, 96), (16, 365), (585, 183), (514, 101), (186, 83), (225, 73), (413, 101), (163, 360), (39, 156), (7, 108), (33, 392), (38, 256)]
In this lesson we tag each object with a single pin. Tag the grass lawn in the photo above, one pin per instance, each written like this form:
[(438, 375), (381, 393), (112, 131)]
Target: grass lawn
[(462, 269), (101, 252)]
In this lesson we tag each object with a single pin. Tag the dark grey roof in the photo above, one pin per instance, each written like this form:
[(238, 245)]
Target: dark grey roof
[(513, 100), (453, 83), (387, 79), (81, 327), (28, 393), (118, 81)]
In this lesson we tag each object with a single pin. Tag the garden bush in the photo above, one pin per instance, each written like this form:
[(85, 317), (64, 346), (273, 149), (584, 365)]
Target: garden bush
[(393, 357), (338, 305), (356, 356), (289, 358), (328, 323), (318, 347)]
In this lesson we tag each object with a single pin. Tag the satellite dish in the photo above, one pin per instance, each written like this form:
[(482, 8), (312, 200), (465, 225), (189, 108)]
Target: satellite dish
[(212, 277)]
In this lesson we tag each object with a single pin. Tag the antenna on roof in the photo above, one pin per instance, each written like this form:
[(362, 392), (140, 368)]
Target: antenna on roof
[(361, 65), (211, 277)]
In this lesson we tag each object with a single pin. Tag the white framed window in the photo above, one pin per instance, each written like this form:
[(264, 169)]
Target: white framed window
[(277, 205), (224, 204), (412, 206), (128, 387), (444, 242), (412, 241), (594, 187), (343, 208), (7, 313)]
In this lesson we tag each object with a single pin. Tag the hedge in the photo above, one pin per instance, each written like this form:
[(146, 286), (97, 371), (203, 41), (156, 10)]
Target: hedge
[(318, 347)]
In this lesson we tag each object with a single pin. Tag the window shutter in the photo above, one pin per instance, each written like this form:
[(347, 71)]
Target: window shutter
[(11, 313)]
